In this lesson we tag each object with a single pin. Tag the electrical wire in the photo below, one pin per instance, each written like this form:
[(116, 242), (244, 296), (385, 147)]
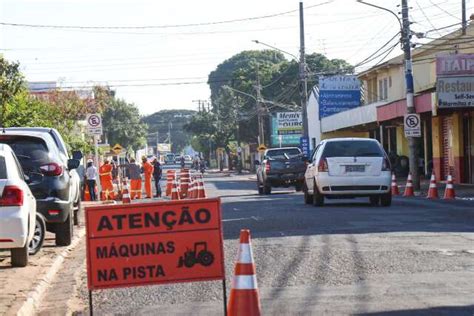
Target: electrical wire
[(448, 13), (143, 27)]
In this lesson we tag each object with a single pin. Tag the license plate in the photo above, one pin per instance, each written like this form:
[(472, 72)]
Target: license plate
[(355, 168)]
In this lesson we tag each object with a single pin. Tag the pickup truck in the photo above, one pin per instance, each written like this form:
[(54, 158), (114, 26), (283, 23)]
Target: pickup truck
[(281, 167)]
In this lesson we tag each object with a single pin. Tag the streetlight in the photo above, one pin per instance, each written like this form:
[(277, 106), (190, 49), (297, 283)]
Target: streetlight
[(413, 142)]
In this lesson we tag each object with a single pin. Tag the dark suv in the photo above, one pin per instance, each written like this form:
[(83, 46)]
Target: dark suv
[(43, 156)]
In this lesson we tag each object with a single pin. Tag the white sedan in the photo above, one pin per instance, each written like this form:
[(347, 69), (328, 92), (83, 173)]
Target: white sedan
[(348, 167), (20, 230)]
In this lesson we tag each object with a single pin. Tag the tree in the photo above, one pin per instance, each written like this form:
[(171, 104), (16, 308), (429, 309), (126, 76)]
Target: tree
[(121, 121), (162, 122), (11, 83)]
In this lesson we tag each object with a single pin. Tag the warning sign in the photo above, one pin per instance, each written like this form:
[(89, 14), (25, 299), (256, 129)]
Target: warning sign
[(117, 149), (154, 243)]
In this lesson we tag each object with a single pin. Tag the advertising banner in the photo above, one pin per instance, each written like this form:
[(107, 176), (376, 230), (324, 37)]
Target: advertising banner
[(289, 123), (455, 65), (154, 243), (286, 139), (337, 94)]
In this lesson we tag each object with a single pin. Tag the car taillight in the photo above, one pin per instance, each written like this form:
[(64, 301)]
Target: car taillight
[(12, 196), (323, 165), (267, 167), (51, 169), (386, 165)]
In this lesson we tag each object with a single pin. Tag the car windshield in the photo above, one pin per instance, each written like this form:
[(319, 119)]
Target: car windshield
[(3, 168), (352, 148), (283, 153), (31, 151)]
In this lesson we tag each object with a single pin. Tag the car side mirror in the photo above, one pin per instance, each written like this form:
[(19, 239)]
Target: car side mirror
[(73, 164), (77, 154), (257, 162), (27, 179)]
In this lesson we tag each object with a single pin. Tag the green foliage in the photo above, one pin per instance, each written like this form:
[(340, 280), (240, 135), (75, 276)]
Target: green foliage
[(121, 121), (169, 120)]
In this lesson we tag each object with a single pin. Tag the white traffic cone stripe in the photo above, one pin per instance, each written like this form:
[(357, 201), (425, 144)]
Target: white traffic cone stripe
[(245, 254), (449, 186), (409, 184), (244, 282), (433, 185)]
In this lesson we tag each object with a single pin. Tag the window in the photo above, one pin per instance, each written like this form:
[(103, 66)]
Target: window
[(283, 153), (3, 168), (383, 89), (352, 149), (30, 151), (380, 90)]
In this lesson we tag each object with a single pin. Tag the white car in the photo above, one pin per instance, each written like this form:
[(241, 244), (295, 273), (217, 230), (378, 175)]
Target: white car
[(20, 230), (348, 167)]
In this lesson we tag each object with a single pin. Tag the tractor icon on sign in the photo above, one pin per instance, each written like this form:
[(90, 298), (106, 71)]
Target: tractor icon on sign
[(199, 254)]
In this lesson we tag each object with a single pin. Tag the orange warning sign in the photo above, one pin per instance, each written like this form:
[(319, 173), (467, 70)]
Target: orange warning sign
[(154, 243)]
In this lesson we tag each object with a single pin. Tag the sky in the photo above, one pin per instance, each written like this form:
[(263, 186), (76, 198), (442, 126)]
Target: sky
[(158, 54)]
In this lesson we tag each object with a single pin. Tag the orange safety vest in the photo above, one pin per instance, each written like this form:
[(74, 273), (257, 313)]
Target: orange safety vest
[(105, 172)]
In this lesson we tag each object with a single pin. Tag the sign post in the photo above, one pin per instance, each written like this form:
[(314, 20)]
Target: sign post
[(154, 243), (304, 145), (94, 128)]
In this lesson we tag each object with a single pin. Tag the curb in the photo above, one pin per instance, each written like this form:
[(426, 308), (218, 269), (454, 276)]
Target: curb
[(34, 297)]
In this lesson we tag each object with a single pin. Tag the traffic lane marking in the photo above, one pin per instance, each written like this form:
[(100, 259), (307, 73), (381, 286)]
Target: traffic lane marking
[(255, 218)]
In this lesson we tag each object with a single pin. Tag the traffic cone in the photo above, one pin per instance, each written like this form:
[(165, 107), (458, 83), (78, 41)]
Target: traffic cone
[(170, 174), (395, 189), (184, 182), (192, 188), (409, 187), (174, 190), (201, 191), (244, 298), (125, 193), (433, 190), (449, 191)]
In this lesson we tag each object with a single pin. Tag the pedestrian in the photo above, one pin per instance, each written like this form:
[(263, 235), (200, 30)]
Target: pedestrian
[(81, 172), (183, 162), (133, 171), (91, 176), (105, 175), (157, 172), (148, 171)]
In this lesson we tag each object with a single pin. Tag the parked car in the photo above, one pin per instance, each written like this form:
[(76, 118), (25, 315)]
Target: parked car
[(57, 191), (188, 160), (347, 168), (281, 167), (22, 230)]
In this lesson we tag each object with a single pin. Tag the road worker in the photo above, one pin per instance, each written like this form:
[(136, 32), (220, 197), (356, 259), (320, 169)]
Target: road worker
[(148, 171), (135, 180), (105, 174)]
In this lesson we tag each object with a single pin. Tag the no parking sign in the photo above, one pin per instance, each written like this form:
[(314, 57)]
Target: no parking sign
[(412, 124)]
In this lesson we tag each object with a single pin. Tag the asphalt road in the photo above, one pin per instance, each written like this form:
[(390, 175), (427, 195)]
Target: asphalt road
[(414, 258)]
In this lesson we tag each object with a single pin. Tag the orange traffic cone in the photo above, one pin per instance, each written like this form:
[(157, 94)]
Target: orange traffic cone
[(170, 174), (433, 190), (184, 182), (409, 188), (244, 298), (174, 190), (192, 188), (201, 191), (395, 189), (125, 193), (449, 191)]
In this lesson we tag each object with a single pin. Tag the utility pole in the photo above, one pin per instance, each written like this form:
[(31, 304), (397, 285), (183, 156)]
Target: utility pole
[(464, 21), (258, 87), (413, 142), (169, 133), (303, 77)]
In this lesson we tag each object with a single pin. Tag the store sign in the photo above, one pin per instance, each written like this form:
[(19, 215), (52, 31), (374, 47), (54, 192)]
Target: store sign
[(455, 65), (337, 94), (289, 123), (455, 92), (154, 243)]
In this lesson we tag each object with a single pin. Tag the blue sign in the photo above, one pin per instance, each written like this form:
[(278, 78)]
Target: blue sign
[(337, 94), (304, 145)]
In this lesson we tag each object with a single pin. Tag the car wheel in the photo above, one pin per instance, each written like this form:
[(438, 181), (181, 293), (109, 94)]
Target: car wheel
[(19, 256), (38, 236), (64, 232), (374, 200), (386, 199), (308, 198), (267, 189), (318, 198)]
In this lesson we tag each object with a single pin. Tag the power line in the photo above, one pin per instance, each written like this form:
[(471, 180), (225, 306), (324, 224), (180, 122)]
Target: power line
[(448, 13), (143, 27)]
